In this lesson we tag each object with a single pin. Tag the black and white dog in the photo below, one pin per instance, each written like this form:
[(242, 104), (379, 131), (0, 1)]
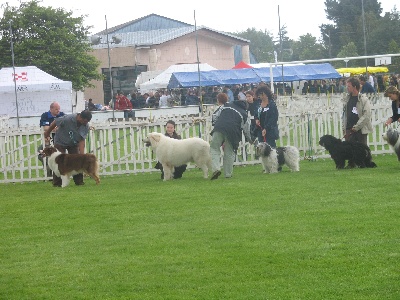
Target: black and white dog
[(391, 136), (357, 154), (273, 159)]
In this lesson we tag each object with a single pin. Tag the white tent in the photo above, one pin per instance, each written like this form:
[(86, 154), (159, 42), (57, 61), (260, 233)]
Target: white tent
[(35, 91), (146, 76), (161, 81)]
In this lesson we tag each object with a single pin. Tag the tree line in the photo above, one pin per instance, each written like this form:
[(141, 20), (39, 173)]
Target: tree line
[(343, 38)]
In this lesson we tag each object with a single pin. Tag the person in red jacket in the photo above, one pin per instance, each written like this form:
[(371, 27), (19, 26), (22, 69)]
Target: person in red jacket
[(123, 103)]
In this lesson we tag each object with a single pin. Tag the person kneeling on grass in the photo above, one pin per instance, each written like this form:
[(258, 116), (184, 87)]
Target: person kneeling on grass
[(170, 132)]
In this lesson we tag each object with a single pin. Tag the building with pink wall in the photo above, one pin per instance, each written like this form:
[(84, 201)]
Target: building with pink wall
[(154, 43)]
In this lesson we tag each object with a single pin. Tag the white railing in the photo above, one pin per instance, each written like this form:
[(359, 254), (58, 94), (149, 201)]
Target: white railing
[(120, 149)]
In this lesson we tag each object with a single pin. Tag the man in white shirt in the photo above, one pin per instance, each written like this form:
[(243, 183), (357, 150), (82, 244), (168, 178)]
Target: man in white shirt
[(164, 99), (371, 80)]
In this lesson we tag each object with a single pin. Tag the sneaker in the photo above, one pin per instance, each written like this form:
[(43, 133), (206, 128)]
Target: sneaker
[(215, 175), (80, 183)]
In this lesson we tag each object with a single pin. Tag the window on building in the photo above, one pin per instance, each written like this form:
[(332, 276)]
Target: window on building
[(123, 79)]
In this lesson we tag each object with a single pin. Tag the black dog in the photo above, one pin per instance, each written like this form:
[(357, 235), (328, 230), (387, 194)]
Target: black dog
[(356, 153)]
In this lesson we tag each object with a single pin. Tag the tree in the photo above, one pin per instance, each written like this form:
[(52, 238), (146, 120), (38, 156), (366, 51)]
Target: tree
[(383, 32), (50, 39), (283, 46), (307, 48), (261, 44), (350, 50), (348, 25), (394, 48)]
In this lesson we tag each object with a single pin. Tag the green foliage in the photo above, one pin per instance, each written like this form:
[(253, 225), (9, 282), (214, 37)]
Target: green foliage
[(349, 27), (51, 39), (316, 234), (283, 45), (394, 48), (261, 45), (350, 50), (307, 48)]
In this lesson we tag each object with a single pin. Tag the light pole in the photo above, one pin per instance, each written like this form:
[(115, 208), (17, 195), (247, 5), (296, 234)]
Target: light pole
[(365, 39), (96, 40), (13, 65)]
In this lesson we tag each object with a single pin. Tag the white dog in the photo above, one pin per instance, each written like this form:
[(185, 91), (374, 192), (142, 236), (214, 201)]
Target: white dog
[(391, 136), (67, 165), (273, 159), (173, 153)]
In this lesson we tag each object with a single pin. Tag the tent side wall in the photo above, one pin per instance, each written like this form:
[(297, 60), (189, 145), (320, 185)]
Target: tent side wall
[(34, 103), (32, 92)]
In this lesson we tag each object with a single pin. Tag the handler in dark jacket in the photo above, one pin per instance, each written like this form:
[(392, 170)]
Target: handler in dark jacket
[(227, 133), (266, 116)]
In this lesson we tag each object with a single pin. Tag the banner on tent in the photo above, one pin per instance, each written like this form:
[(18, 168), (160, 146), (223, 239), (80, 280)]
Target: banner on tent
[(34, 104)]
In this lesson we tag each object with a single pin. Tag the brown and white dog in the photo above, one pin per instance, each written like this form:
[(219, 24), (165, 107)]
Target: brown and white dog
[(67, 165)]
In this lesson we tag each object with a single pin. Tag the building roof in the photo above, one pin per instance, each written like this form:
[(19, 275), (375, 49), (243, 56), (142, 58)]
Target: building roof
[(146, 23), (154, 30)]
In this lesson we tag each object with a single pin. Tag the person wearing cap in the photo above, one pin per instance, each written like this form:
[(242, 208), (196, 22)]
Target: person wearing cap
[(356, 113), (70, 136), (394, 95)]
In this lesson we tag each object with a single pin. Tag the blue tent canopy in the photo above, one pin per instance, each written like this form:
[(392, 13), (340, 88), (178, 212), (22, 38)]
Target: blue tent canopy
[(236, 76), (253, 75)]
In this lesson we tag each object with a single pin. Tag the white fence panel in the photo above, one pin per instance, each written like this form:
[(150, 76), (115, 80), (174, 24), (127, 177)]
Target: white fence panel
[(120, 149)]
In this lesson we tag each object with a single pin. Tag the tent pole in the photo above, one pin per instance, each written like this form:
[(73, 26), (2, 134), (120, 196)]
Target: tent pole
[(272, 78), (110, 73)]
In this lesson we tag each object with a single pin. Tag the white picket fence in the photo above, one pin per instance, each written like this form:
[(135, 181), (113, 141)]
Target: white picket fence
[(120, 149)]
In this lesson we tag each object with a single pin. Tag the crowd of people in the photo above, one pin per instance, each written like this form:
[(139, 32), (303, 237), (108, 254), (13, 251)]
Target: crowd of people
[(370, 83), (238, 106)]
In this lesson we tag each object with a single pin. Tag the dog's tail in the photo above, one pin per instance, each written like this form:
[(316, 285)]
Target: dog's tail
[(368, 162), (368, 159)]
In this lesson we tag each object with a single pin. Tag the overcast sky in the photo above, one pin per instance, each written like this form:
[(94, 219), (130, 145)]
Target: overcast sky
[(300, 17)]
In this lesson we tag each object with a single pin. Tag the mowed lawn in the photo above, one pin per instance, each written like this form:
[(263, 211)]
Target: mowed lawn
[(316, 234)]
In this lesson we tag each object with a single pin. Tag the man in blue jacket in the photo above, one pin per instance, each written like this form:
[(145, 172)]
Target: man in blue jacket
[(366, 88)]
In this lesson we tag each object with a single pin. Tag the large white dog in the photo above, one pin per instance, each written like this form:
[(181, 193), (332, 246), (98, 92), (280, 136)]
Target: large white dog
[(173, 153)]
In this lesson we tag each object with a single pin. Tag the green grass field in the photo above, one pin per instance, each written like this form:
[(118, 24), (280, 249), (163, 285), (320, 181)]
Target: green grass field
[(316, 234)]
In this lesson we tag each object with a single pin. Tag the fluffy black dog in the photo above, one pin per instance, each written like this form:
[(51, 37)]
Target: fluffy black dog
[(357, 154)]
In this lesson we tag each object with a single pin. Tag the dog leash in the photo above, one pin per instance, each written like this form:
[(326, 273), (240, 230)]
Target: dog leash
[(346, 136), (265, 136)]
